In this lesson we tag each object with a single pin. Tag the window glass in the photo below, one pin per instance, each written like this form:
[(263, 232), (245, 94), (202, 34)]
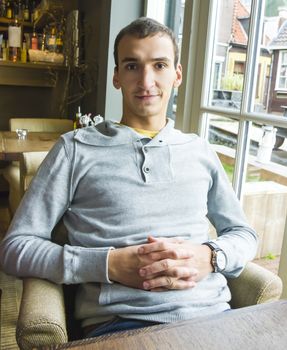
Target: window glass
[(222, 134), (229, 56), (245, 95), (265, 190)]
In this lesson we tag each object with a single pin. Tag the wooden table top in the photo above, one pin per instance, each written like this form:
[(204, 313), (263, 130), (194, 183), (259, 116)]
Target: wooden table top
[(256, 327), (11, 147)]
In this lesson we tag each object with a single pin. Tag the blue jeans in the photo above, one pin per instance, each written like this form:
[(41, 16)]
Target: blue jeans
[(118, 324)]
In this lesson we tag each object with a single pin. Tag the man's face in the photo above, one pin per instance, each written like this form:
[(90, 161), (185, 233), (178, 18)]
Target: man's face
[(146, 75)]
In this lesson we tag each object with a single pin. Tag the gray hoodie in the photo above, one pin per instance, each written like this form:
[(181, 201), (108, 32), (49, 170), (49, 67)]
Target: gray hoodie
[(114, 187)]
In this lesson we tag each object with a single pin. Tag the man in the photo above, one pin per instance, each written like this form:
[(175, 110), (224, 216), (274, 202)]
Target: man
[(134, 197)]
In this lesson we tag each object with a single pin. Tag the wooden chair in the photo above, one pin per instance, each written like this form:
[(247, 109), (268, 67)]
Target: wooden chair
[(12, 172)]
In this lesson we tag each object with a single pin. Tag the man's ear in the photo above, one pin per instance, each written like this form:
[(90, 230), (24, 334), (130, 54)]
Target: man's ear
[(116, 82), (178, 78)]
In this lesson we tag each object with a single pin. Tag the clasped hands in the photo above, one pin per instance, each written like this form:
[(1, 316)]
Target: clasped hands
[(160, 264)]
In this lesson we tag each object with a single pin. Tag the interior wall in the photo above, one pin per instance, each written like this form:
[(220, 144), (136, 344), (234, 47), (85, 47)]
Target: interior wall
[(102, 20), (122, 13)]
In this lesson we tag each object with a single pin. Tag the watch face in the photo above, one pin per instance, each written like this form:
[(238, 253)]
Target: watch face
[(220, 260)]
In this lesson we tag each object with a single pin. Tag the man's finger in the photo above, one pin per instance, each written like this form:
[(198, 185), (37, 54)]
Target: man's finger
[(167, 282), (166, 239)]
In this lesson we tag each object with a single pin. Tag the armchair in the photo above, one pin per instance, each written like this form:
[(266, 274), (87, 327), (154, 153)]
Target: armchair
[(45, 319), (12, 172)]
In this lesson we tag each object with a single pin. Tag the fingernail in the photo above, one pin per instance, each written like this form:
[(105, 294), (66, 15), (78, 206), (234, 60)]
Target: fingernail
[(142, 272), (141, 250), (146, 285)]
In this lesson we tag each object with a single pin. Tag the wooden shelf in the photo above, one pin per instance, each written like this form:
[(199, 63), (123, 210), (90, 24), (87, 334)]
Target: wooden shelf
[(7, 21), (30, 74), (32, 65)]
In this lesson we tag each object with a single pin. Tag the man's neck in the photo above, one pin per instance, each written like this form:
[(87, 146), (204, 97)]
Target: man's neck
[(144, 124)]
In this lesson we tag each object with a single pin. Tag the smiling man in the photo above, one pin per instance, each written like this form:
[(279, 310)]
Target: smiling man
[(146, 73), (136, 198)]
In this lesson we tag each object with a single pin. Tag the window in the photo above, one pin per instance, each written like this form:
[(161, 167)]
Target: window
[(241, 113), (282, 71), (238, 67)]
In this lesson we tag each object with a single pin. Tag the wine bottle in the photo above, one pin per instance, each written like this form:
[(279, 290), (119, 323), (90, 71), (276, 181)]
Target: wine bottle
[(14, 41), (26, 11), (34, 40), (51, 39)]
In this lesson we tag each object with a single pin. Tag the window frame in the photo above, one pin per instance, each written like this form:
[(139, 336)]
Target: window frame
[(194, 94), (278, 76)]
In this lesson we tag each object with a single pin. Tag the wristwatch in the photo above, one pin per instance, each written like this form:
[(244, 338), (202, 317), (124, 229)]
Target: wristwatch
[(218, 257)]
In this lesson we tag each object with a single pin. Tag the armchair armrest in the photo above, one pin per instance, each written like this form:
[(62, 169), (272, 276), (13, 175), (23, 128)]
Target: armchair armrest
[(255, 285), (42, 320)]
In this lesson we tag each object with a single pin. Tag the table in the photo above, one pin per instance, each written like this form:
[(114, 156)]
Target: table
[(256, 327), (11, 147)]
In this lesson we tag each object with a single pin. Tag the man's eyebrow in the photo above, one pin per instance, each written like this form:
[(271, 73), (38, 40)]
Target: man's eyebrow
[(156, 59)]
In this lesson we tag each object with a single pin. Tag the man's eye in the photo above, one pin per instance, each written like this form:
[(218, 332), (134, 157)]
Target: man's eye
[(160, 65), (131, 66)]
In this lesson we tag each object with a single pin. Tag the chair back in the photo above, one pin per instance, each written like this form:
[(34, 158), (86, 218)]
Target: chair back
[(29, 164), (42, 124)]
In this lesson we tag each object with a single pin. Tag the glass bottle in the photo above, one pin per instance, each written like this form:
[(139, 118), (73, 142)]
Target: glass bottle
[(43, 43), (77, 122), (3, 8), (51, 39), (14, 41), (34, 40), (24, 51), (59, 41), (4, 47), (9, 10), (26, 11)]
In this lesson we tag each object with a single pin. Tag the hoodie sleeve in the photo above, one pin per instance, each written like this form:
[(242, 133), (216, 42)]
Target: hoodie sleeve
[(235, 237), (27, 249)]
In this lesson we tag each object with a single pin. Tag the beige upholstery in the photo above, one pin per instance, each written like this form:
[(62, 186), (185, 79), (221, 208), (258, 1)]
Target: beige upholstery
[(12, 172), (42, 319), (29, 164), (39, 322)]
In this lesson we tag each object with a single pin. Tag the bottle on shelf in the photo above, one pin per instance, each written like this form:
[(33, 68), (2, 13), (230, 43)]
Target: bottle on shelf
[(26, 11), (24, 51), (4, 47), (43, 43), (51, 39), (34, 40), (3, 8), (9, 10), (14, 41), (77, 122), (59, 41), (18, 11), (1, 48)]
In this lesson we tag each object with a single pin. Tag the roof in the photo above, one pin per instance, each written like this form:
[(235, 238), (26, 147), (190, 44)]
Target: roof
[(239, 36), (280, 40)]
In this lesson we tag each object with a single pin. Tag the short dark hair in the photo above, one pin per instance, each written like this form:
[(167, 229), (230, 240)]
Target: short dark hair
[(142, 28)]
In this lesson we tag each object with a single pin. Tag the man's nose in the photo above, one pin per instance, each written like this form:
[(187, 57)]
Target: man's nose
[(146, 78)]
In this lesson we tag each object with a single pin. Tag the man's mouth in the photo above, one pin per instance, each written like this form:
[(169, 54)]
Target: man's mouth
[(146, 97)]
